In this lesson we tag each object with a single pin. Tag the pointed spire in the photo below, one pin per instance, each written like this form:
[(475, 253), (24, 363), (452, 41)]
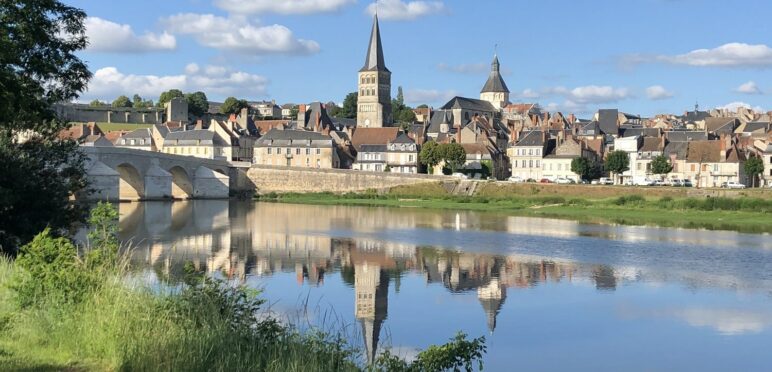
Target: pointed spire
[(374, 59), (495, 82)]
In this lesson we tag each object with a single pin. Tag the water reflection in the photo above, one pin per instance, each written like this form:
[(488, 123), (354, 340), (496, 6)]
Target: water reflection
[(492, 257)]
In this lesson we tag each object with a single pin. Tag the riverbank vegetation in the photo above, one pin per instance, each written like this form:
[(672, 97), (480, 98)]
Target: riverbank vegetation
[(752, 215), (65, 307)]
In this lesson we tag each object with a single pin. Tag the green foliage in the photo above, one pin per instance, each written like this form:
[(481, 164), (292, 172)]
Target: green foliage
[(122, 101), (138, 102), (753, 167), (453, 154), (103, 235), (97, 103), (168, 96), (232, 105), (399, 111), (456, 355), (39, 42), (349, 109), (198, 104), (580, 166), (295, 109), (429, 154), (630, 200), (422, 106), (51, 273), (661, 165), (487, 168), (618, 162), (37, 178)]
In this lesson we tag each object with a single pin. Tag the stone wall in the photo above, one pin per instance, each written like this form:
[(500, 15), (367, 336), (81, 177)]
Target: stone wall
[(284, 179)]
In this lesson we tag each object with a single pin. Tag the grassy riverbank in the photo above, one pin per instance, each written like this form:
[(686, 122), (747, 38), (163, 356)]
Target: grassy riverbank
[(738, 214)]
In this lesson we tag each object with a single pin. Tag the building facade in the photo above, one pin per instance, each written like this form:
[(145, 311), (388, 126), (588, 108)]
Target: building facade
[(296, 148)]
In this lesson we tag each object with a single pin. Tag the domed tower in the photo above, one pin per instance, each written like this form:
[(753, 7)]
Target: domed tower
[(374, 93), (495, 90)]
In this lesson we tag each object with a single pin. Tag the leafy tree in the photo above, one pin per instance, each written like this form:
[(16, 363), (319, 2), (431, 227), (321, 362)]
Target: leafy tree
[(661, 165), (406, 116), (137, 101), (618, 162), (400, 97), (753, 167), (39, 41), (581, 166), (97, 103), (422, 106), (198, 104), (454, 155), (349, 109), (233, 105), (295, 109), (429, 155), (168, 96), (122, 101)]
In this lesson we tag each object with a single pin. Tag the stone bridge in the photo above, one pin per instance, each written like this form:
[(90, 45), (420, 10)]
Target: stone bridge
[(117, 173)]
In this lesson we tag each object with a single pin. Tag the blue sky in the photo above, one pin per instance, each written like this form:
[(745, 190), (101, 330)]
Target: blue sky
[(642, 56)]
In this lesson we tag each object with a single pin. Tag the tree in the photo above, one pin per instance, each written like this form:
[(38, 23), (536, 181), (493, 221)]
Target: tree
[(429, 155), (349, 109), (406, 116), (454, 155), (198, 104), (232, 105), (39, 42), (618, 162), (661, 165), (295, 109), (753, 167), (137, 101), (400, 97), (581, 166), (422, 106), (122, 101), (97, 103), (168, 96)]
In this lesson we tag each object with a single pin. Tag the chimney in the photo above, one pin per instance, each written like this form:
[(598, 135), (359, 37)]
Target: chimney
[(571, 118), (723, 146), (301, 113), (316, 126), (544, 136), (458, 133)]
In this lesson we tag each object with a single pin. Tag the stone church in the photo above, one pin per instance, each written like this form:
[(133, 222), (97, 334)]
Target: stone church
[(374, 93)]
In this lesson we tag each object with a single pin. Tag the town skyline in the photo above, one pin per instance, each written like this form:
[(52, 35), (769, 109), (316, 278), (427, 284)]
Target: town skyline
[(258, 50)]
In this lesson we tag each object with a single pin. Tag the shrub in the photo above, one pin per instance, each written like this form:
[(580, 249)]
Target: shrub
[(457, 354), (629, 200)]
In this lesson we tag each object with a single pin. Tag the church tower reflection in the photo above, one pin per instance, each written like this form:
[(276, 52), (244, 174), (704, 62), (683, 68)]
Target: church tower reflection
[(371, 302)]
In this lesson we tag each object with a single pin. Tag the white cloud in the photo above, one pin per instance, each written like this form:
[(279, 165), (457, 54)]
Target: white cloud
[(398, 10), (727, 55), (281, 6), (748, 88), (239, 35), (109, 82), (591, 94), (733, 106), (428, 96), (567, 106), (106, 36), (728, 322), (658, 92), (528, 93)]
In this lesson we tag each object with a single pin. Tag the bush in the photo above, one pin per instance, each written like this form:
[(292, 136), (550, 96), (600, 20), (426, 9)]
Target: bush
[(630, 200), (457, 354)]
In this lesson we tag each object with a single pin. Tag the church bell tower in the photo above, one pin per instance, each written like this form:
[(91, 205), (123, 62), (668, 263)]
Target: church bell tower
[(374, 86)]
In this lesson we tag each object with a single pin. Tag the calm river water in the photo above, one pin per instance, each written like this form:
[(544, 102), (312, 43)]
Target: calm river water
[(547, 294)]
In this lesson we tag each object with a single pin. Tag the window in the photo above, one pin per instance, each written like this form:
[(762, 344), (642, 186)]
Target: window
[(530, 163), (123, 142), (308, 151), (132, 142), (410, 158), (537, 164), (560, 167), (522, 164), (289, 151), (538, 151), (318, 163), (297, 151), (269, 151), (530, 151), (318, 151), (308, 162), (692, 168)]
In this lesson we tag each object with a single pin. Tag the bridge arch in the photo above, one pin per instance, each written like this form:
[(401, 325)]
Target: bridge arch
[(182, 185), (132, 184)]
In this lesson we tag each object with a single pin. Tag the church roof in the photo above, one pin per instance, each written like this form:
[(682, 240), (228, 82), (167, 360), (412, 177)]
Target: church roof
[(495, 82), (468, 104), (374, 59)]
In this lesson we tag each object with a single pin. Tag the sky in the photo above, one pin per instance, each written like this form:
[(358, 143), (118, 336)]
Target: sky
[(642, 56)]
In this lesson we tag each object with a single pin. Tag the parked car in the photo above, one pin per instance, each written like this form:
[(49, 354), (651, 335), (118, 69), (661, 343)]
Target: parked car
[(644, 182), (517, 179), (595, 182), (531, 180), (675, 182), (545, 180), (686, 183), (732, 185), (659, 183), (564, 181), (459, 175), (605, 181)]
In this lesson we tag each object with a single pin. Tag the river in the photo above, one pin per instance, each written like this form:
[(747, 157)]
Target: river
[(547, 294)]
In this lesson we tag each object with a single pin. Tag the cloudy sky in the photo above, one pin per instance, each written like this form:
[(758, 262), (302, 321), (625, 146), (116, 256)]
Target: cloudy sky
[(642, 56)]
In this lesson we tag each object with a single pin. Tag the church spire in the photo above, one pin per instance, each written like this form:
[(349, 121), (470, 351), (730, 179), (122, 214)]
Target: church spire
[(374, 59), (495, 82)]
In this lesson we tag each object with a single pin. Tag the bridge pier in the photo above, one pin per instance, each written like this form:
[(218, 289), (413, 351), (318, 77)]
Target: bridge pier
[(209, 184), (158, 184), (104, 182)]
